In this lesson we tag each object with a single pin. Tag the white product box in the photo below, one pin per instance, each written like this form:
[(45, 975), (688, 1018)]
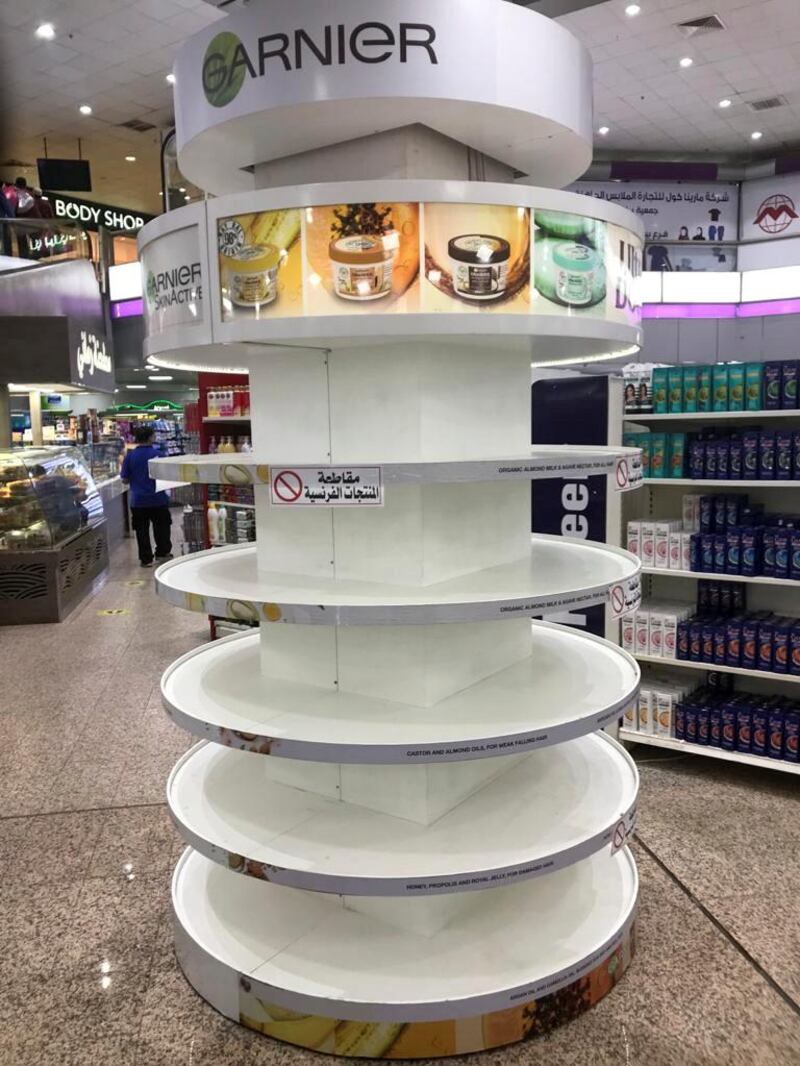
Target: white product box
[(642, 632), (691, 513), (656, 635), (634, 537), (669, 634), (675, 550), (686, 551), (663, 702), (646, 724), (629, 633), (661, 539), (647, 548), (630, 716)]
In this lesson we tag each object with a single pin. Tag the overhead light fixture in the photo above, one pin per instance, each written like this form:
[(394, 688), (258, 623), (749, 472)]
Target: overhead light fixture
[(187, 198), (686, 61), (85, 109), (756, 135), (130, 158), (159, 377), (161, 194), (725, 103), (170, 79), (604, 131), (45, 31), (632, 10), (135, 386), (181, 188)]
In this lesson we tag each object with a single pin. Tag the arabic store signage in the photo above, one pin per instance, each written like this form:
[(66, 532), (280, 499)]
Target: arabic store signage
[(92, 215), (674, 211), (331, 486)]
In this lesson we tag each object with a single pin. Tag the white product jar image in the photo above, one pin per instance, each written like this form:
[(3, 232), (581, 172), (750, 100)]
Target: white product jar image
[(569, 273), (479, 265), (362, 265), (251, 276)]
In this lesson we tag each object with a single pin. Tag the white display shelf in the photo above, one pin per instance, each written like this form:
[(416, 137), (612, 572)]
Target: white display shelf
[(558, 574), (777, 582), (715, 483), (682, 746), (543, 461), (688, 665), (570, 685), (308, 952), (715, 416), (227, 418), (237, 810), (231, 503)]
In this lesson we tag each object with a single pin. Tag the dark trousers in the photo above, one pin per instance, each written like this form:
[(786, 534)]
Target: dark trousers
[(162, 520)]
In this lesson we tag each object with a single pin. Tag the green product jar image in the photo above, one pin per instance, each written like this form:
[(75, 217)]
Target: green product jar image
[(569, 273)]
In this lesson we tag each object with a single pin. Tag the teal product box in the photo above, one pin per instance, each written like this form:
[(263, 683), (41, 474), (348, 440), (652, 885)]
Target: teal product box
[(677, 455), (629, 440), (704, 388), (675, 386), (736, 377), (754, 386), (690, 389), (660, 390), (644, 443), (658, 454), (789, 374), (719, 387)]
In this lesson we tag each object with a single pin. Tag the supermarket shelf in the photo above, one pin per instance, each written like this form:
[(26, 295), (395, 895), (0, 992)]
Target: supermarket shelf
[(232, 503), (777, 582), (631, 736), (571, 684), (715, 416), (714, 483), (740, 670), (307, 953), (557, 574), (226, 418), (293, 824)]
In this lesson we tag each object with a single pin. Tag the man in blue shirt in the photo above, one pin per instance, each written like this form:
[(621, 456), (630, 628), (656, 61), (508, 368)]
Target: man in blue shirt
[(147, 505)]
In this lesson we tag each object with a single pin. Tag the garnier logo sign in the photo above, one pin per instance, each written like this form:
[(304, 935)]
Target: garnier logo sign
[(178, 285), (227, 61)]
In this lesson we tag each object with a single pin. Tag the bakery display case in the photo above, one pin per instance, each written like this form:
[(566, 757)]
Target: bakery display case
[(103, 459), (52, 533)]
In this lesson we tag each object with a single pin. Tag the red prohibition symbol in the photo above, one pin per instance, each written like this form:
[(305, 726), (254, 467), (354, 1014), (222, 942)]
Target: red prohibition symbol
[(619, 836), (287, 486), (623, 474), (617, 599)]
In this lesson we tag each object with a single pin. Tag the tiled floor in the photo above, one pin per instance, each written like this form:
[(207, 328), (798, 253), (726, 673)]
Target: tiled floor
[(87, 973)]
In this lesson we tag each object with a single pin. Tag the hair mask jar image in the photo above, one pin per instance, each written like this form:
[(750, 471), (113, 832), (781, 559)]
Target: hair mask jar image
[(252, 275), (362, 265), (479, 265), (569, 273)]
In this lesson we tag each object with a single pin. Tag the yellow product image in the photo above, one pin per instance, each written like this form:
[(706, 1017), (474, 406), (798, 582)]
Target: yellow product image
[(362, 265), (251, 276)]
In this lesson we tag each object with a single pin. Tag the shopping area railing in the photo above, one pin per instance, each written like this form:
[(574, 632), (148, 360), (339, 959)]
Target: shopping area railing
[(28, 242)]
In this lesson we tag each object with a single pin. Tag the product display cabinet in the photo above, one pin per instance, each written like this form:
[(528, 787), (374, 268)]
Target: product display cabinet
[(407, 838)]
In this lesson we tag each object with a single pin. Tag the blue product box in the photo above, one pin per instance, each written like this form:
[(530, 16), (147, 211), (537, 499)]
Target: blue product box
[(707, 514), (710, 469), (733, 510), (791, 735), (690, 723), (694, 552), (750, 439), (782, 538), (720, 518), (728, 726), (783, 455), (781, 645), (713, 596), (720, 552), (703, 725), (736, 459), (772, 386), (715, 726), (750, 637), (766, 632), (697, 460), (777, 722), (695, 641), (682, 640), (737, 597), (723, 459), (733, 638), (744, 727), (680, 722), (707, 553), (759, 729), (766, 455), (794, 554), (703, 597), (790, 371), (768, 552), (733, 558), (794, 649), (720, 642), (707, 638), (796, 455), (751, 552)]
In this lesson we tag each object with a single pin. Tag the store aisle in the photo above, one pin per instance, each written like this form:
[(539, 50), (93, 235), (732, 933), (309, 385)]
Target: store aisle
[(88, 974)]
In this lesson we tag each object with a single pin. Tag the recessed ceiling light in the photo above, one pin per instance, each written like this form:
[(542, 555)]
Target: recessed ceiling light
[(130, 158), (632, 10), (187, 197), (135, 386), (46, 31), (604, 131), (170, 79), (686, 61), (159, 377), (161, 194), (85, 109), (181, 188), (756, 135), (725, 103)]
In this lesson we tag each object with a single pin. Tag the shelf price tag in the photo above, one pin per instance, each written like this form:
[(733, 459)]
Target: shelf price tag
[(625, 597), (327, 486), (628, 473)]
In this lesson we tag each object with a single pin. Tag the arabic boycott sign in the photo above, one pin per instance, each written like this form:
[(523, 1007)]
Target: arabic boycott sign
[(329, 486), (771, 208), (673, 211)]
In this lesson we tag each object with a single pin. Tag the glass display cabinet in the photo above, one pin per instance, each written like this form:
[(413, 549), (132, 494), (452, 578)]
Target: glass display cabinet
[(52, 533)]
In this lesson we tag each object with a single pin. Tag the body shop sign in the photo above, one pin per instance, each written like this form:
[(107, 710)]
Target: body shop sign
[(173, 280), (92, 216)]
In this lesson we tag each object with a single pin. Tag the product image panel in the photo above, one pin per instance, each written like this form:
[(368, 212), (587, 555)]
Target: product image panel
[(476, 256), (260, 264), (569, 263), (362, 256)]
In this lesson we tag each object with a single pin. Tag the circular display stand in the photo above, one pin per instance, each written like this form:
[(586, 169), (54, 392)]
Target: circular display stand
[(543, 461), (303, 967), (570, 685), (558, 574), (548, 811)]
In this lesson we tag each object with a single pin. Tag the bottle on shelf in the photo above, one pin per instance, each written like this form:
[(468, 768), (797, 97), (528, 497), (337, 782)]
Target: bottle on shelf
[(222, 524), (213, 524), (244, 445), (213, 447)]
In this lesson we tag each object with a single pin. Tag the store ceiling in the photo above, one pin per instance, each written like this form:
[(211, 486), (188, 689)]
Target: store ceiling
[(114, 55)]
